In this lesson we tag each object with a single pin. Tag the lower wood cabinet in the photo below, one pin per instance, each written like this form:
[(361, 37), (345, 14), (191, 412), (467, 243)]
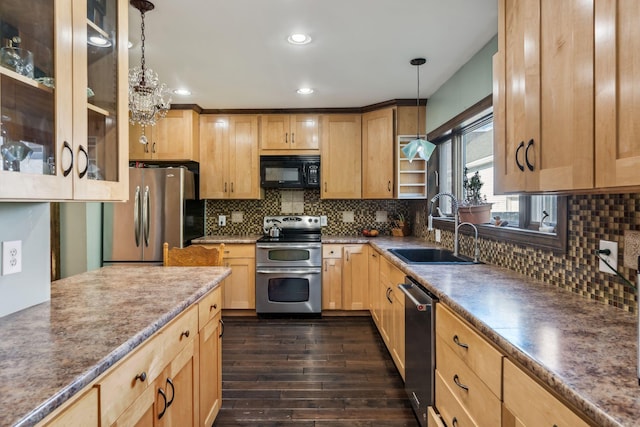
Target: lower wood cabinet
[(528, 404), (239, 289), (391, 324), (374, 284), (345, 284), (172, 379)]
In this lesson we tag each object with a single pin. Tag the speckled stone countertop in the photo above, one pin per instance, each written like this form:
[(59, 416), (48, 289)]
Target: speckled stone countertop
[(583, 350), (51, 351)]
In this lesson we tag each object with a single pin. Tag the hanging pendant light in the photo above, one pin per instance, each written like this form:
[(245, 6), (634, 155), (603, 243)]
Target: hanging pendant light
[(418, 146), (149, 99)]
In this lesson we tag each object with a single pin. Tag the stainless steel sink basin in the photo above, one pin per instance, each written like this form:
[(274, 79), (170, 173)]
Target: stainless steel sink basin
[(429, 256)]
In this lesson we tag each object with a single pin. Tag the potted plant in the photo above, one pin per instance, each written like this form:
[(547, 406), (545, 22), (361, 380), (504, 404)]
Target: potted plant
[(475, 208)]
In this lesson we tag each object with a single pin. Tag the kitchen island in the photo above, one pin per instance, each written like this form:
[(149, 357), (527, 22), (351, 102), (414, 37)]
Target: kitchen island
[(52, 351)]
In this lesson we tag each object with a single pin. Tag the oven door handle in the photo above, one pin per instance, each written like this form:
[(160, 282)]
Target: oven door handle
[(288, 271), (287, 247)]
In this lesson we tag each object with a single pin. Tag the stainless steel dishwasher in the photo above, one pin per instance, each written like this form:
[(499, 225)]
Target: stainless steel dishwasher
[(420, 355)]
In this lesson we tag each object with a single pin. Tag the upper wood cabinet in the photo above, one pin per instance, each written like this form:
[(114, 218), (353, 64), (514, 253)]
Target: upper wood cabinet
[(617, 71), (174, 137), (63, 109), (341, 156), (229, 160), (281, 133), (544, 96), (378, 154)]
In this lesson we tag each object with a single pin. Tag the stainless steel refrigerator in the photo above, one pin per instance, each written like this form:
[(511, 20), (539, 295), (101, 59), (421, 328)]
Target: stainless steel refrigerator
[(162, 207)]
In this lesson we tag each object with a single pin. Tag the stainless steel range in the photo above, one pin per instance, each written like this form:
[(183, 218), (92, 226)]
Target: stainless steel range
[(289, 266)]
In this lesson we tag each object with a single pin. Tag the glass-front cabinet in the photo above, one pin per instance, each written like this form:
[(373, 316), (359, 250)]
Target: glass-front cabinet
[(63, 99)]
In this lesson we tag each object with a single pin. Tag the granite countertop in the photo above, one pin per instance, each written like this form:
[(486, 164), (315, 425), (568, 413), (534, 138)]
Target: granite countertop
[(51, 351), (583, 350)]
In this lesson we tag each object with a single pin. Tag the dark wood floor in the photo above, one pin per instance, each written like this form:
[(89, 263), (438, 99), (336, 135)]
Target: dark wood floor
[(328, 372)]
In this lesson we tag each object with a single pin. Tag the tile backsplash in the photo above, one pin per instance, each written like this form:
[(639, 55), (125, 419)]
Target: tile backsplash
[(591, 218), (303, 202)]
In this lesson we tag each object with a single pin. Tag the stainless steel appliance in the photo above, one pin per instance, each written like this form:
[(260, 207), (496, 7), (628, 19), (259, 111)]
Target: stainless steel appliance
[(289, 266), (162, 207), (420, 355), (290, 171)]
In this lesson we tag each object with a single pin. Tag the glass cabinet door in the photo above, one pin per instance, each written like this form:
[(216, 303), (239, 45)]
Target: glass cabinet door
[(100, 96), (35, 103)]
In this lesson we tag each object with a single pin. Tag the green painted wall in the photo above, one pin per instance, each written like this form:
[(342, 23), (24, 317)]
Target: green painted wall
[(471, 83), (80, 238)]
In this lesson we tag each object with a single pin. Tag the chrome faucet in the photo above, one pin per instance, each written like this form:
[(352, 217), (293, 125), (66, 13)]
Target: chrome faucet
[(454, 206), (476, 253)]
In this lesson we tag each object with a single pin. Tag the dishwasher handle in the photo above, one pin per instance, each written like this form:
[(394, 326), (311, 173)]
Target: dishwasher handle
[(407, 290)]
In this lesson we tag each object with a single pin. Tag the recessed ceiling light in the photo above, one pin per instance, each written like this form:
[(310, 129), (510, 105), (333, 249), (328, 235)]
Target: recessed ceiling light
[(299, 38), (99, 41), (305, 91), (183, 92)]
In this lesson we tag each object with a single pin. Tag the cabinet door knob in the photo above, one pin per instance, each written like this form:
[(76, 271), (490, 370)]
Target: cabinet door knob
[(142, 377), (67, 171), (526, 155), (520, 165), (83, 150), (213, 307)]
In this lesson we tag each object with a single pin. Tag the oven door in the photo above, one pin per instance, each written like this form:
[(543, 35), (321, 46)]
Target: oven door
[(290, 255), (289, 290)]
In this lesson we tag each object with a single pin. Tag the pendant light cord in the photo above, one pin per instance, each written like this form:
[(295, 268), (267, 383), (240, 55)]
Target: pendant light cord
[(142, 38), (418, 103)]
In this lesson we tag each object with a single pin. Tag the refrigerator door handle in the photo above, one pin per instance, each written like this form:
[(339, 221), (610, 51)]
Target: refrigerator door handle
[(136, 216), (145, 215)]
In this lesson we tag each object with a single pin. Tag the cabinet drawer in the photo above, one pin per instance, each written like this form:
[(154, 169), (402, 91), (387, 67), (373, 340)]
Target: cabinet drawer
[(480, 403), (449, 407), (239, 251), (470, 347), (209, 306), (331, 251), (532, 404), (433, 419), (120, 387), (83, 412)]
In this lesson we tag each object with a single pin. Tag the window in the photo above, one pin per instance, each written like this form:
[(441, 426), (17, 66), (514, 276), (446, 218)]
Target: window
[(539, 220)]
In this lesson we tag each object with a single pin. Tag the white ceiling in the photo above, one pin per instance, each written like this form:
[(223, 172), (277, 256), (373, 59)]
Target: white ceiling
[(234, 53)]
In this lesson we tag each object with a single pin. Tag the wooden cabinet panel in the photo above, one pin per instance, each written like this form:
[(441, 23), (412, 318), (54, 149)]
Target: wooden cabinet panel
[(546, 49), (449, 407), (332, 284), (398, 336), (181, 383), (355, 286), (433, 419), (210, 371), (341, 156), (229, 157), (239, 289), (374, 285), (617, 71), (470, 347), (286, 134), (141, 413), (531, 404), (209, 306), (83, 412), (378, 154), (174, 137)]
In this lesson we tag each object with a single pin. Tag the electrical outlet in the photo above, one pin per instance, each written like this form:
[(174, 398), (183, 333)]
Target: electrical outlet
[(438, 235), (11, 257), (612, 258), (222, 220)]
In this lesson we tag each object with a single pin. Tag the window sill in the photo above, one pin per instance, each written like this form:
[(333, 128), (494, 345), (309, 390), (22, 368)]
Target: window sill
[(537, 239)]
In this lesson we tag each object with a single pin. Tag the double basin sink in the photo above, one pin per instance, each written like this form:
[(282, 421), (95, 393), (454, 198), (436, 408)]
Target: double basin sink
[(430, 256)]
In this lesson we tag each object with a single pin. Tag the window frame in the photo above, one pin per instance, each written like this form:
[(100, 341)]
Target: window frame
[(523, 236)]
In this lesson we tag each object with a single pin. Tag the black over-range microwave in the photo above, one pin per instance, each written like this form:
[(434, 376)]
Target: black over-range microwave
[(290, 171)]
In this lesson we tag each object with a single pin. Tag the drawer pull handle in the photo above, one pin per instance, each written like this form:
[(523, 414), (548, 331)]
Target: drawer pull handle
[(459, 384), (185, 334), (173, 392), (520, 165), (221, 329), (457, 341), (454, 422), (213, 307), (164, 397), (142, 377)]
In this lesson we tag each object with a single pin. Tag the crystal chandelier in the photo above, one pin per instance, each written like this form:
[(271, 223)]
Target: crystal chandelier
[(149, 100), (418, 146)]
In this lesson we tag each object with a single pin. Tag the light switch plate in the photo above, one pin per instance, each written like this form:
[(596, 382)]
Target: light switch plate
[(222, 220), (11, 257)]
